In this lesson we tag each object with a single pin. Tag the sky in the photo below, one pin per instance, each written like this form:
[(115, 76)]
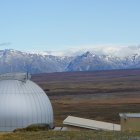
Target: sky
[(63, 24)]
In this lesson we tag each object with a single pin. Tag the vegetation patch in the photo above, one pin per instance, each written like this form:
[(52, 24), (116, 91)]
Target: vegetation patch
[(70, 135), (34, 127)]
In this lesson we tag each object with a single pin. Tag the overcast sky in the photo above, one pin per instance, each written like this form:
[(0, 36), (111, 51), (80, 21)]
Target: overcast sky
[(63, 24)]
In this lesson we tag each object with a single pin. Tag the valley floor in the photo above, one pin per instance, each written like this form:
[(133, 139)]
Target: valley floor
[(98, 95)]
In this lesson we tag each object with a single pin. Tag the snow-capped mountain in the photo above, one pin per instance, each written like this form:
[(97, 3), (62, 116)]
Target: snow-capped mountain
[(13, 60), (89, 61), (34, 62)]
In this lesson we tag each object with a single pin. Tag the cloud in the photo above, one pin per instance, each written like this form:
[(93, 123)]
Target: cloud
[(5, 44), (120, 50)]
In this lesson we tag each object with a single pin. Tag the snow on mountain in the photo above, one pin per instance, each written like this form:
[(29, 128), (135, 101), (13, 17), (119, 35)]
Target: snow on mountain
[(13, 61), (43, 62), (89, 62), (54, 53)]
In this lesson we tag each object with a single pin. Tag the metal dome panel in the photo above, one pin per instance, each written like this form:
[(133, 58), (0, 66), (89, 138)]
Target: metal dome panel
[(23, 104), (21, 76)]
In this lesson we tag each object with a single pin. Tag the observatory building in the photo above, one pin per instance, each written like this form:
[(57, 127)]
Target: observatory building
[(130, 121), (22, 102)]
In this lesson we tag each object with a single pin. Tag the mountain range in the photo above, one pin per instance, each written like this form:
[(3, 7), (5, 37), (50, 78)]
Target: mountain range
[(14, 61)]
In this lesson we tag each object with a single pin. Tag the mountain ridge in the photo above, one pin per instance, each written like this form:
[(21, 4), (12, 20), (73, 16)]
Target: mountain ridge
[(14, 61)]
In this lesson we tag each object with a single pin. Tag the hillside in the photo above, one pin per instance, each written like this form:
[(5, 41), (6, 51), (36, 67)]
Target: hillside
[(100, 95)]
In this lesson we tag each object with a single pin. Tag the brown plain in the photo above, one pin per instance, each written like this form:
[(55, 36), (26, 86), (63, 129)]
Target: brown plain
[(99, 95)]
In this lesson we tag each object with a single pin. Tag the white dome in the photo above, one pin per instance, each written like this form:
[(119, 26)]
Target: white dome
[(22, 103)]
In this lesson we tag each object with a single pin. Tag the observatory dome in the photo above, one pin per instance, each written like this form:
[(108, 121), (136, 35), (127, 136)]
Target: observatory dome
[(22, 102)]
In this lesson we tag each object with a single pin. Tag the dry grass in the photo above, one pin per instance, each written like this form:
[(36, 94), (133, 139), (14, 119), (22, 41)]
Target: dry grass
[(70, 135), (100, 95)]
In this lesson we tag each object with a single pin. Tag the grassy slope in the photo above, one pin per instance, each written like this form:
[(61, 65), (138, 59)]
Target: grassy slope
[(69, 135), (100, 95)]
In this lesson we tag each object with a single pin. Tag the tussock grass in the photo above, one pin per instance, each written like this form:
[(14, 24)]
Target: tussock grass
[(99, 95), (34, 127), (70, 135)]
